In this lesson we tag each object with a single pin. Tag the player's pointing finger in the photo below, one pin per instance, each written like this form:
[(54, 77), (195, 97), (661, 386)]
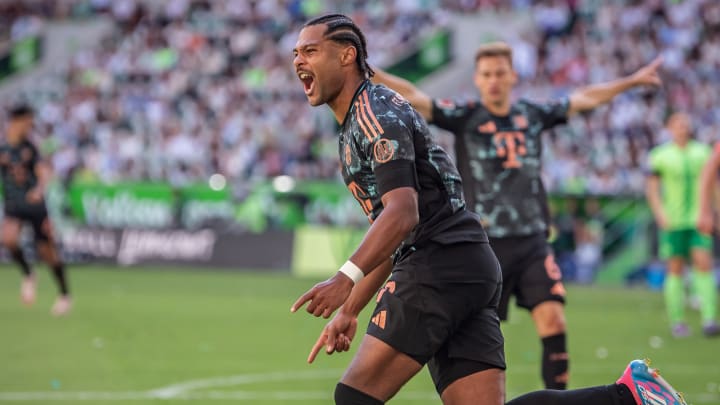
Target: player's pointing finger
[(316, 347), (302, 300)]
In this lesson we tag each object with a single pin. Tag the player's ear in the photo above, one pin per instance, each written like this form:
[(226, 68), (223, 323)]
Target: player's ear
[(348, 55)]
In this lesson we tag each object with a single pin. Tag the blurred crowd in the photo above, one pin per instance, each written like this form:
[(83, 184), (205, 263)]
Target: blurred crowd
[(590, 41), (186, 88)]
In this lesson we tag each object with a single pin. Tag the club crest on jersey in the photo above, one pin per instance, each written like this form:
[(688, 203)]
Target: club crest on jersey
[(488, 127), (384, 150), (348, 155), (520, 122)]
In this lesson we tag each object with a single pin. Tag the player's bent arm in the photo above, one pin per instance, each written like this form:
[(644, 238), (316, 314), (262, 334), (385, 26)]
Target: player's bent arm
[(43, 174), (416, 97), (399, 216), (589, 97), (390, 228), (652, 193)]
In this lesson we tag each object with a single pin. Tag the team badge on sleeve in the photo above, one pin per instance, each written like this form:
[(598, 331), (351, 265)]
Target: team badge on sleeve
[(384, 150)]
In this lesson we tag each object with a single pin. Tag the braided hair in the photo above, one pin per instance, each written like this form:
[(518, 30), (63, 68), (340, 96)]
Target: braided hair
[(343, 30)]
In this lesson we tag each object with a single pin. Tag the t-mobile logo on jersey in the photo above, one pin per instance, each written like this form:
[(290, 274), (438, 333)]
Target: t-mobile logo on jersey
[(510, 145)]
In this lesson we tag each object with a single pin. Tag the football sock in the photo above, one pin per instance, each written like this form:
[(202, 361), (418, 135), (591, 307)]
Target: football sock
[(705, 289), (555, 362), (347, 395), (674, 298), (614, 394), (19, 258), (59, 274)]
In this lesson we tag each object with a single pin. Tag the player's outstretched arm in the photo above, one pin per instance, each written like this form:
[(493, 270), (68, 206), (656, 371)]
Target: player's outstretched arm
[(589, 97), (708, 180), (416, 97), (337, 335), (392, 226)]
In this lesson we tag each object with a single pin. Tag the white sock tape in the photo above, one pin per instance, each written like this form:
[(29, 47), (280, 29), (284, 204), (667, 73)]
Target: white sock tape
[(352, 271)]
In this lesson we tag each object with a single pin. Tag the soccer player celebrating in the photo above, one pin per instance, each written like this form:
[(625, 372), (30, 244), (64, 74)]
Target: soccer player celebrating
[(24, 179), (498, 151), (673, 195), (439, 305)]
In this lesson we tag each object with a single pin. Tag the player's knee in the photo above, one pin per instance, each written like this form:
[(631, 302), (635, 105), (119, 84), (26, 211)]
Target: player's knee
[(347, 395), (550, 318)]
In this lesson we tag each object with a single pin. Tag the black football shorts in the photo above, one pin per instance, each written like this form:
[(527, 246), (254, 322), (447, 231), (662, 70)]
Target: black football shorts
[(440, 308), (529, 272), (34, 214)]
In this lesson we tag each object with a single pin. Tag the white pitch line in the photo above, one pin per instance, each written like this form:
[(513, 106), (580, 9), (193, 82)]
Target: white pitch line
[(180, 390), (184, 390), (173, 390), (192, 396)]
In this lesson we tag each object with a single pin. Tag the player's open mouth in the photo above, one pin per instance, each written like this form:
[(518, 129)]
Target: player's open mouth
[(308, 82)]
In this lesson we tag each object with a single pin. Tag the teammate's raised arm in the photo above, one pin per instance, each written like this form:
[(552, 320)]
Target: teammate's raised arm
[(417, 98), (589, 97)]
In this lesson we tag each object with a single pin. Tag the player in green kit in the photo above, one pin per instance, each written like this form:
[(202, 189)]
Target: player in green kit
[(673, 195)]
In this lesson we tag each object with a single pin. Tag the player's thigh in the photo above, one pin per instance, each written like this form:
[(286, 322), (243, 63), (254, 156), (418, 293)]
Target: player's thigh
[(474, 346), (541, 282), (483, 387), (10, 231), (378, 369), (701, 246)]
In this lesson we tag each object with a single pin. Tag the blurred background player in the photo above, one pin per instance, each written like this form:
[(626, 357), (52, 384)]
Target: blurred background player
[(498, 151), (672, 193), (24, 180)]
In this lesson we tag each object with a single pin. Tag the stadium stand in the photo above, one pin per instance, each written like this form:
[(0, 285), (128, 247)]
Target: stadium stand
[(174, 93)]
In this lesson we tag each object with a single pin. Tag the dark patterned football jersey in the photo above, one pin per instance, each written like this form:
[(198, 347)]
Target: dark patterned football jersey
[(385, 144), (17, 167), (500, 159)]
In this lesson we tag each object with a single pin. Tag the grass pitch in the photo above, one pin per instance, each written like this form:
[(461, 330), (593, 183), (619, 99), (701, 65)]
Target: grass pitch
[(165, 336)]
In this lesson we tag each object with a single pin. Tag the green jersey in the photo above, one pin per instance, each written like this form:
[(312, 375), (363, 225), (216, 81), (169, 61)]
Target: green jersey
[(679, 172)]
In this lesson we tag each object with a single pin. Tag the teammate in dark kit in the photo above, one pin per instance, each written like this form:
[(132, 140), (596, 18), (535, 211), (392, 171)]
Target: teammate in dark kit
[(439, 305), (24, 179), (498, 148)]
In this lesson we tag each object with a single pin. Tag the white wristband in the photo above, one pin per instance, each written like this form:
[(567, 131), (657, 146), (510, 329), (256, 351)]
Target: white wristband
[(351, 270)]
